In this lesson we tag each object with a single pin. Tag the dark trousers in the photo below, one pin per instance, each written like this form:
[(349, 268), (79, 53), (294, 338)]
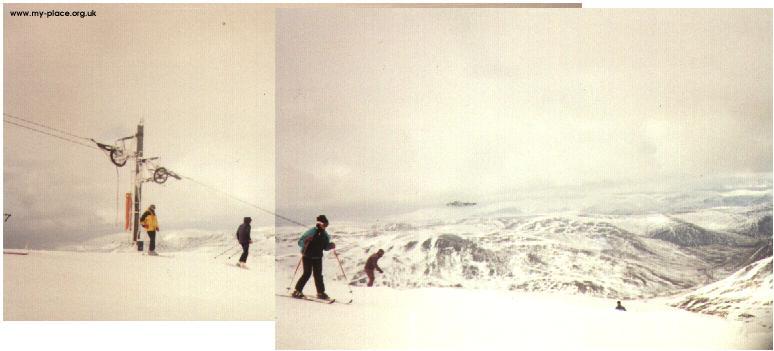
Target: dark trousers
[(312, 265), (370, 274), (152, 245), (245, 247)]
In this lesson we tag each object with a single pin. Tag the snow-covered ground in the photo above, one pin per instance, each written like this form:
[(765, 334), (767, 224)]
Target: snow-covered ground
[(106, 279), (452, 318), (385, 317)]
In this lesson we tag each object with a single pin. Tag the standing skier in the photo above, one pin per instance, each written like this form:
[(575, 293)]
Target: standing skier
[(313, 242), (151, 225), (243, 235), (371, 264)]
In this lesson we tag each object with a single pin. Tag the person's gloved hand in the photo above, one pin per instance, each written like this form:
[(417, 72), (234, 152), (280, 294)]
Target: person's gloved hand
[(331, 246)]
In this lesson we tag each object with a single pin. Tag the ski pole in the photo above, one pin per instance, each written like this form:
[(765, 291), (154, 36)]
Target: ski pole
[(352, 295), (294, 272), (227, 250), (237, 246), (301, 259), (234, 253)]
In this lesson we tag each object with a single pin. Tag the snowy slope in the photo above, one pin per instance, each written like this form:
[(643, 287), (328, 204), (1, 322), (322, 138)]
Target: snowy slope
[(106, 279), (449, 318), (745, 295)]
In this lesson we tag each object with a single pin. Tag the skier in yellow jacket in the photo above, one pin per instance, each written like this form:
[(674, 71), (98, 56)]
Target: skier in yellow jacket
[(151, 225)]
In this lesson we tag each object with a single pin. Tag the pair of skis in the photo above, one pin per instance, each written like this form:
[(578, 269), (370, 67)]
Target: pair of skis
[(309, 298), (314, 299)]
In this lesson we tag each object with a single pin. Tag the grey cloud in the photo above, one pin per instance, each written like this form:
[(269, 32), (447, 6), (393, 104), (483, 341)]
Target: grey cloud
[(419, 104)]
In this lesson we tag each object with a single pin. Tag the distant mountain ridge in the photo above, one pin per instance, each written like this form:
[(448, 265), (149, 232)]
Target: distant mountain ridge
[(603, 255), (460, 204)]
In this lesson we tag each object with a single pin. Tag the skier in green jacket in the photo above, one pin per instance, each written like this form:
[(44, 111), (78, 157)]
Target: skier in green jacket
[(312, 243)]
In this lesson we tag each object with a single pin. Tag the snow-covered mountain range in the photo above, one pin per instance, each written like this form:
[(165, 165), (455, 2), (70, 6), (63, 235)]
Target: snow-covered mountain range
[(622, 246)]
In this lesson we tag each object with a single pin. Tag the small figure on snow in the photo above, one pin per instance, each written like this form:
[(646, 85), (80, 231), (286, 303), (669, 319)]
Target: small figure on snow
[(151, 225), (243, 236), (312, 243), (371, 264), (620, 307)]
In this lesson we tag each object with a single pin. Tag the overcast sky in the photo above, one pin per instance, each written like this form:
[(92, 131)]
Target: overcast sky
[(379, 110), (382, 110), (201, 77)]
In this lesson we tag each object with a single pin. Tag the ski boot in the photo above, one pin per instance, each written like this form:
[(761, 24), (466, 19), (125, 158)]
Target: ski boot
[(152, 253), (323, 296), (297, 295)]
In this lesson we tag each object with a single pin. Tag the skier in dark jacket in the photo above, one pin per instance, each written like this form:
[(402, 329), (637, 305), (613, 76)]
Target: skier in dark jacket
[(313, 242), (243, 235), (371, 264), (620, 307)]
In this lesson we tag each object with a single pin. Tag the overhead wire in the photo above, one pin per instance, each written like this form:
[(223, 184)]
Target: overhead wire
[(242, 201), (45, 126), (52, 135)]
